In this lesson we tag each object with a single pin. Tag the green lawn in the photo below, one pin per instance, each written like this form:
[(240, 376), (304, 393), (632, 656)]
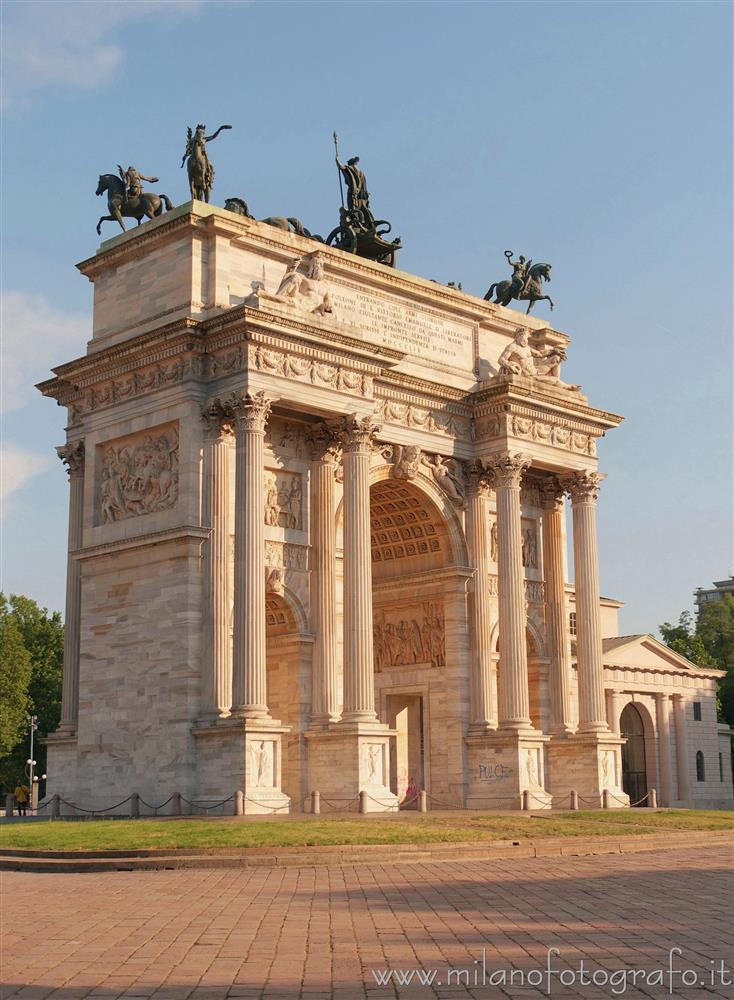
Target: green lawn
[(403, 828)]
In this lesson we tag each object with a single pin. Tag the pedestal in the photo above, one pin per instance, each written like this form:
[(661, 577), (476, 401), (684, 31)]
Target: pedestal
[(349, 758), (504, 765), (590, 764), (264, 767)]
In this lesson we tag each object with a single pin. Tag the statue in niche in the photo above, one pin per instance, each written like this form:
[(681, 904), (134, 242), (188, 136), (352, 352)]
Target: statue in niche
[(493, 540), (519, 358), (272, 507), (529, 548), (261, 762), (373, 760), (295, 499), (447, 475), (532, 769)]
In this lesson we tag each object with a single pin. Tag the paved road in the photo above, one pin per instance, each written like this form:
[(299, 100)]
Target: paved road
[(340, 932)]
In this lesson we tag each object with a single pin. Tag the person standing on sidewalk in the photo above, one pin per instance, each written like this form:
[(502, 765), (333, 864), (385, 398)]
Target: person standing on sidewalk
[(22, 795)]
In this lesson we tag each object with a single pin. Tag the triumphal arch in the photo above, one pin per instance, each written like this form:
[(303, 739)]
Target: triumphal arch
[(318, 534)]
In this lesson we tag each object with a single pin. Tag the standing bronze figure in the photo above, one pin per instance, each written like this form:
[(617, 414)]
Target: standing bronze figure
[(200, 170), (525, 284), (122, 202)]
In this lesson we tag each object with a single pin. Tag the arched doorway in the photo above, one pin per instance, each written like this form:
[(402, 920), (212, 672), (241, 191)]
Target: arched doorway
[(634, 766)]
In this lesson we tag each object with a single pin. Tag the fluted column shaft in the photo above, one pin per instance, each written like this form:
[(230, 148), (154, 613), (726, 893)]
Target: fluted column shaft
[(324, 695), (72, 455), (583, 488), (662, 718), (483, 711), (249, 676), (514, 700), (359, 681), (217, 659), (559, 644), (681, 748)]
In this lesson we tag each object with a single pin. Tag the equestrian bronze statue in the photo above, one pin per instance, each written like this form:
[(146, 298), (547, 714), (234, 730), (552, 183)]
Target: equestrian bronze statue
[(526, 283), (199, 168), (126, 198)]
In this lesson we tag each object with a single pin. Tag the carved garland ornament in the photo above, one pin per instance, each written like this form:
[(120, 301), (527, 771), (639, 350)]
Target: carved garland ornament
[(315, 372)]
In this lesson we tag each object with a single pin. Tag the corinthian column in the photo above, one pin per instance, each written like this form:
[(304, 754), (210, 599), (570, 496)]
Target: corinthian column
[(249, 680), (583, 488), (356, 436), (72, 455), (324, 693), (482, 709), (662, 713), (559, 644), (514, 701), (217, 661)]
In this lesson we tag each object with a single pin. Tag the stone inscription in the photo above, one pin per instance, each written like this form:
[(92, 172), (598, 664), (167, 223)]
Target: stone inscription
[(422, 333)]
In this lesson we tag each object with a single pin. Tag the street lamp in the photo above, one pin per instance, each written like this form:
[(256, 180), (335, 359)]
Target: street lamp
[(31, 763)]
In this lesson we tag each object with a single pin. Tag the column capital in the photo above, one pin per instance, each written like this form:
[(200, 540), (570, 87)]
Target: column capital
[(217, 419), (508, 467), (678, 697), (354, 433), (551, 494), (582, 487), (72, 455), (323, 443), (246, 411)]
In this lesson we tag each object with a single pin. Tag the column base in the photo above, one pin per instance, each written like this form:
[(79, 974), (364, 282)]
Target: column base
[(589, 764), (503, 766), (349, 758), (246, 754)]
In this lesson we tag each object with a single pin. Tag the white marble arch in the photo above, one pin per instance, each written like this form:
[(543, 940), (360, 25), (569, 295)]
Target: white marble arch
[(649, 729)]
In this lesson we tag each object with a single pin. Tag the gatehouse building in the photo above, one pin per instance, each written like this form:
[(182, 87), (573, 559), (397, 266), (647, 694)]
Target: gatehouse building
[(319, 518)]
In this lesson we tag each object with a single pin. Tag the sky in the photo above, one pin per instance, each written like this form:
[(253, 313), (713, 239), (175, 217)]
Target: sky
[(595, 136)]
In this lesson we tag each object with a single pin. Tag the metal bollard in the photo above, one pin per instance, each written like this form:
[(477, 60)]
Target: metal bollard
[(176, 804), (315, 803), (605, 799), (134, 806), (55, 807), (363, 802), (239, 802), (9, 804), (574, 800), (423, 802), (653, 799)]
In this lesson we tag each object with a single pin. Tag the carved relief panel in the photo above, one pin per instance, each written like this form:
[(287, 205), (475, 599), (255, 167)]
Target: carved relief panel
[(283, 499), (137, 474), (414, 634)]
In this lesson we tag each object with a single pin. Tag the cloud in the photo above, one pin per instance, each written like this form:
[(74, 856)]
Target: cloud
[(69, 44), (35, 334), (17, 466)]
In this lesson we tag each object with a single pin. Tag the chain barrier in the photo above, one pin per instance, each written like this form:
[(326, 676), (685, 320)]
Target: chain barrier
[(379, 802), (341, 809), (154, 808), (94, 812), (409, 802), (264, 805), (532, 795), (440, 803), (206, 809)]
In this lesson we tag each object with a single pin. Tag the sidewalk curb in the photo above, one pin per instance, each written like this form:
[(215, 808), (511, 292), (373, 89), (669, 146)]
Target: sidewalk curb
[(19, 860)]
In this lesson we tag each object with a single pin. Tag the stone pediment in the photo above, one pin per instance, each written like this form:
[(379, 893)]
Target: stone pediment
[(645, 651)]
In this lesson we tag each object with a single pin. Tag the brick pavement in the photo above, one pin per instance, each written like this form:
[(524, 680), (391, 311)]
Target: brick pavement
[(319, 932)]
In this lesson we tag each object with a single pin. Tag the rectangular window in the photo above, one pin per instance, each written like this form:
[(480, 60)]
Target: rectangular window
[(697, 711), (572, 623)]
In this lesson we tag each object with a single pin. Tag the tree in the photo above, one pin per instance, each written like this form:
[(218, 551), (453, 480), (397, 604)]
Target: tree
[(15, 674), (38, 637), (709, 642)]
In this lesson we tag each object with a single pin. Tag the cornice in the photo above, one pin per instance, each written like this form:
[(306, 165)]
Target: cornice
[(508, 397), (137, 541)]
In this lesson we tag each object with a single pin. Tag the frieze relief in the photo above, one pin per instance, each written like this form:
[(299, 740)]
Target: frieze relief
[(284, 499), (416, 637), (137, 384), (393, 411), (534, 589), (312, 371), (285, 555), (138, 474), (557, 435), (529, 539)]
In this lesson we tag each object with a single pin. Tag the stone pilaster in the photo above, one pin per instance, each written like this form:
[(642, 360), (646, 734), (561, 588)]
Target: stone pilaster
[(483, 708), (217, 653), (665, 775), (249, 414), (325, 694), (681, 749), (583, 488), (558, 638), (514, 702), (356, 436), (72, 455)]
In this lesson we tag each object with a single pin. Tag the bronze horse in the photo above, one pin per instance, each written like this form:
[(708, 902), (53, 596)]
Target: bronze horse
[(533, 289), (118, 205), (290, 224)]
